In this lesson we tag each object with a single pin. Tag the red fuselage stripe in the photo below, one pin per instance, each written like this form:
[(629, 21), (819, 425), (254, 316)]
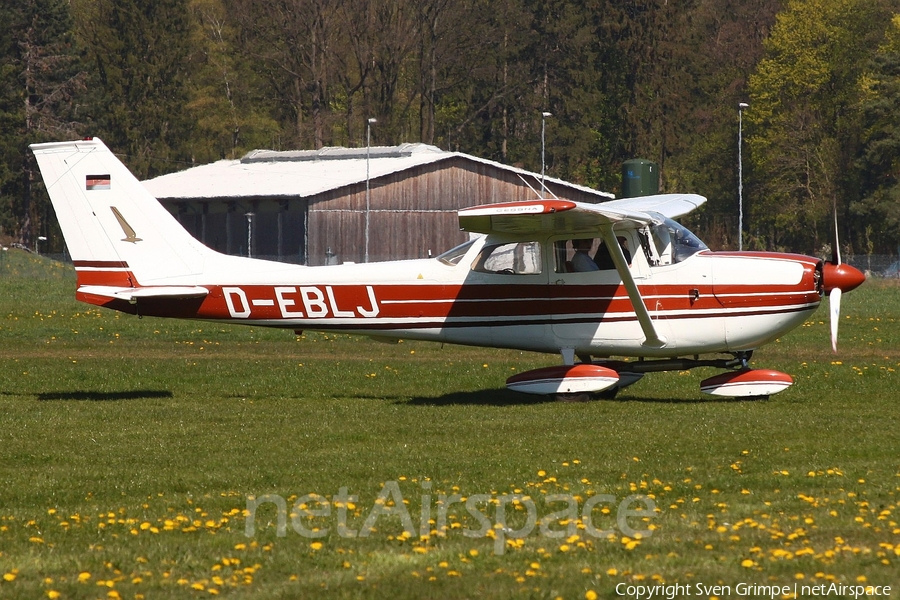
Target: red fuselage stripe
[(436, 305)]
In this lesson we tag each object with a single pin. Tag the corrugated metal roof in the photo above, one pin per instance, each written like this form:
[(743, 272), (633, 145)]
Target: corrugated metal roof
[(304, 173)]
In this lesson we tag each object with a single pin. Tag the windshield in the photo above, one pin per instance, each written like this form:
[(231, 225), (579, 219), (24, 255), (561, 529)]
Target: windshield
[(684, 242), (454, 255), (674, 242)]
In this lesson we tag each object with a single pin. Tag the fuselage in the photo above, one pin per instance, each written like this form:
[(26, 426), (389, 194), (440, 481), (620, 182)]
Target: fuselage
[(707, 302)]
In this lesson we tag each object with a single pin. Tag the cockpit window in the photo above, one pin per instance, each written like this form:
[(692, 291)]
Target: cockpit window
[(674, 242), (513, 258), (454, 255)]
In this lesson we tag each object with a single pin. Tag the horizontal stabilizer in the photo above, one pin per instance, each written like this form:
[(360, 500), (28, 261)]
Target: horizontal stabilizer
[(132, 295)]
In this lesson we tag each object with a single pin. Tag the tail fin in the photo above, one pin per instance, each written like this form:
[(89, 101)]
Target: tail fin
[(116, 232)]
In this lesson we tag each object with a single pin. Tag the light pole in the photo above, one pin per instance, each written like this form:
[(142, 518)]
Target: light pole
[(544, 116), (741, 107), (249, 216), (369, 124)]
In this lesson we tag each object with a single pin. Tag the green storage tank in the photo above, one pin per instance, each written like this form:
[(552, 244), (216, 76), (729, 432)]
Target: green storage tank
[(640, 177)]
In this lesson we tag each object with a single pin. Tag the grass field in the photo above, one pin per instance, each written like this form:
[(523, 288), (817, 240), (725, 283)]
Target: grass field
[(131, 451)]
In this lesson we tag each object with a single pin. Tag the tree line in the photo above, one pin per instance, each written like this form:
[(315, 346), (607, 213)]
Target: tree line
[(173, 83)]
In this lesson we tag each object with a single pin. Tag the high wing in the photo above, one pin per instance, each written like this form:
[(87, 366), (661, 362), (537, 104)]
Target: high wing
[(567, 217)]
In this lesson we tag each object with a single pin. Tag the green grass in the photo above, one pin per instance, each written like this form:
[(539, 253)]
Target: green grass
[(129, 447)]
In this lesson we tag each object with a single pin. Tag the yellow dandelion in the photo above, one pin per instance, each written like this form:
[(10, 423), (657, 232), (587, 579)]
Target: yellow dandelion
[(84, 576), (590, 595), (316, 545), (9, 577), (53, 594)]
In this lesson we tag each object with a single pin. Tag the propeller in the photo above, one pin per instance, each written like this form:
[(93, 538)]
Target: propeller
[(834, 305), (838, 278)]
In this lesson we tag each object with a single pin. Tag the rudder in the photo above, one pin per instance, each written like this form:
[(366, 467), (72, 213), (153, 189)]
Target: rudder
[(113, 227)]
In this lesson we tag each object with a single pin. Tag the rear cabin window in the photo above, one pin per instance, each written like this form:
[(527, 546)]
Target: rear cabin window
[(513, 258)]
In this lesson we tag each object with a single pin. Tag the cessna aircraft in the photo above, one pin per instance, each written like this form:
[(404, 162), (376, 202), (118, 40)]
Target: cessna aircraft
[(597, 282)]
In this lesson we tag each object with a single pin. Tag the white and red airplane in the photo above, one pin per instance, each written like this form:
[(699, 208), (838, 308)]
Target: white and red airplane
[(661, 301)]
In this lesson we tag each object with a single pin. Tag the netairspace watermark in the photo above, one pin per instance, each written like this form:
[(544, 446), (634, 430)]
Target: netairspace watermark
[(754, 590), (436, 510)]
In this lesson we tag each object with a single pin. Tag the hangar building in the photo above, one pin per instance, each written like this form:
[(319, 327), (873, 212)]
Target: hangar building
[(309, 206)]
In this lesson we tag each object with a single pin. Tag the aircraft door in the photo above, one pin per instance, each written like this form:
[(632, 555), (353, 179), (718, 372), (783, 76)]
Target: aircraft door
[(589, 303), (506, 291)]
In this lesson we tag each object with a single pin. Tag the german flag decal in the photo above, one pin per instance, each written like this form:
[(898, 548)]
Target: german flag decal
[(97, 182)]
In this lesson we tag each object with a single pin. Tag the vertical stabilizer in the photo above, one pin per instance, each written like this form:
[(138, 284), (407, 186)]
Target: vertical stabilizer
[(111, 223)]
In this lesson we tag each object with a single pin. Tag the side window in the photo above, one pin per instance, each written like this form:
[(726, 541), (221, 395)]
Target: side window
[(581, 255), (663, 244), (513, 258)]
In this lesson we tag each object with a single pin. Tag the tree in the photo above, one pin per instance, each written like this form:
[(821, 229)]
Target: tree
[(720, 42), (878, 206), (291, 44), (41, 76), (229, 111), (803, 117), (140, 53)]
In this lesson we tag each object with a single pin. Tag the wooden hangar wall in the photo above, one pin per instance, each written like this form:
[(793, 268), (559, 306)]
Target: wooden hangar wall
[(412, 215)]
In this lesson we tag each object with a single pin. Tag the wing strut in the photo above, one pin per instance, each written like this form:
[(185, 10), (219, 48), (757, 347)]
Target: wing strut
[(654, 340)]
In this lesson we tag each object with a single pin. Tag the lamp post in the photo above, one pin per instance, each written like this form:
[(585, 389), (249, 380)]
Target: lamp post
[(544, 116), (741, 107), (249, 216), (369, 124)]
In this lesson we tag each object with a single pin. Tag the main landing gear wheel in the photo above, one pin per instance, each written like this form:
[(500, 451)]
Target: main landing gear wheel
[(565, 383), (609, 394), (575, 397)]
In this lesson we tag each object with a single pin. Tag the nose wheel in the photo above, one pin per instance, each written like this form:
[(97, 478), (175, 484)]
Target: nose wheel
[(757, 384)]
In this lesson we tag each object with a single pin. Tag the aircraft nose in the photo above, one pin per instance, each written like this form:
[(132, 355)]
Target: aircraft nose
[(841, 276)]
